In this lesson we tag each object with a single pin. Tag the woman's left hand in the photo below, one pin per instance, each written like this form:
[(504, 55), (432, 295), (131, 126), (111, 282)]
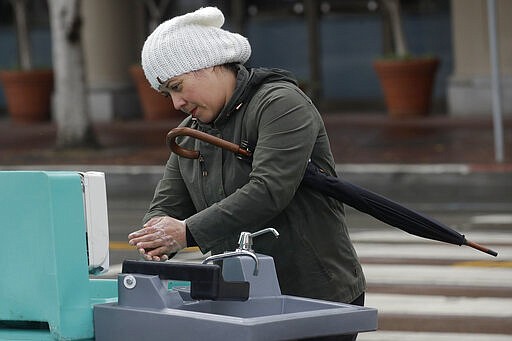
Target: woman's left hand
[(159, 237)]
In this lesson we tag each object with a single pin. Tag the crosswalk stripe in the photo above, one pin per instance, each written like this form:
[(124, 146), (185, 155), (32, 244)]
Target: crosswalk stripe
[(124, 246), (485, 264)]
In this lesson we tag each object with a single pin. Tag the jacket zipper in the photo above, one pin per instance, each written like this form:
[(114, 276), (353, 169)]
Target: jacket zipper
[(204, 172), (202, 165)]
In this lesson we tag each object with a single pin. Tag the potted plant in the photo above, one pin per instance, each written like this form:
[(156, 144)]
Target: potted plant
[(406, 81), (154, 105), (27, 90)]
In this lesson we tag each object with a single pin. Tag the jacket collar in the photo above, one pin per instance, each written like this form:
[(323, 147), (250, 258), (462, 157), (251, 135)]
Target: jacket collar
[(248, 81)]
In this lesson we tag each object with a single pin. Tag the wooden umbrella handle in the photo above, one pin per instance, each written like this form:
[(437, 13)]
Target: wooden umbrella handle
[(194, 154), (481, 248)]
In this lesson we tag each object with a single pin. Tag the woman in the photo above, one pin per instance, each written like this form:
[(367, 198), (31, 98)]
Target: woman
[(208, 201)]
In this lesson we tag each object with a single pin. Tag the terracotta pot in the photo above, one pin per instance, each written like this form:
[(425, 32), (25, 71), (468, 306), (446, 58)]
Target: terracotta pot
[(28, 94), (407, 85), (155, 106)]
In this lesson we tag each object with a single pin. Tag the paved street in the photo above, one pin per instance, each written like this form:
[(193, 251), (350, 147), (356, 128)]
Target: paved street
[(424, 290), (422, 287)]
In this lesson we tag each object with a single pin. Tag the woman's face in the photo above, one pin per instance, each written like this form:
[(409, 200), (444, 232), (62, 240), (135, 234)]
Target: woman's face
[(202, 93)]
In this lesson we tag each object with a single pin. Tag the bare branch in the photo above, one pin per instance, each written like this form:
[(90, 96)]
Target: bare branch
[(399, 42)]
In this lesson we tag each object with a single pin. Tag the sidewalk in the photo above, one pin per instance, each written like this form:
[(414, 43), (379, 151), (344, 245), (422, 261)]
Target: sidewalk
[(356, 138)]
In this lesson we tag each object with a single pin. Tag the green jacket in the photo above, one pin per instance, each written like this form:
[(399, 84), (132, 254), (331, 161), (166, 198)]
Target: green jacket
[(221, 195)]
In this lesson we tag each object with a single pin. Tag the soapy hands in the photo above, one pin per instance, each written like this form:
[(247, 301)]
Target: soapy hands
[(159, 237)]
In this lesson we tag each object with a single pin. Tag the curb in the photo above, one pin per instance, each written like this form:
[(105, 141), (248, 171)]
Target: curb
[(445, 323), (448, 187)]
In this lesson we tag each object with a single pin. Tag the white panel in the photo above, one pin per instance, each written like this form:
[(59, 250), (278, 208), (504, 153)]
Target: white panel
[(96, 215)]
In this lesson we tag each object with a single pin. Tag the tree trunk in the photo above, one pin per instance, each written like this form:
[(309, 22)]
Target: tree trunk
[(74, 128), (156, 12), (22, 34)]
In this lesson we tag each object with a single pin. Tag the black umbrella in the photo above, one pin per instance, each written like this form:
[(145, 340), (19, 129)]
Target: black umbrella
[(355, 196)]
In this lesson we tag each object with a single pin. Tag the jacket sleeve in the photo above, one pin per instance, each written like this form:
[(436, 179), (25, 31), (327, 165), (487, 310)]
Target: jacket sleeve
[(171, 196), (287, 126)]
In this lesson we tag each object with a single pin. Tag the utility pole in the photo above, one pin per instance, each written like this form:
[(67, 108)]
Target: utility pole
[(312, 18)]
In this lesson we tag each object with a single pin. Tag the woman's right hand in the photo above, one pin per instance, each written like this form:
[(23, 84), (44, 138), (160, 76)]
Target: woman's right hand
[(159, 237)]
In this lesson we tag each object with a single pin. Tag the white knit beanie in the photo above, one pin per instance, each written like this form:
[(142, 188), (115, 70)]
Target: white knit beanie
[(191, 42)]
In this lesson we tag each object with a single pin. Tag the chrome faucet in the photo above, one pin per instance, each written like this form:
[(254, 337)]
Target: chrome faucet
[(244, 248), (236, 253)]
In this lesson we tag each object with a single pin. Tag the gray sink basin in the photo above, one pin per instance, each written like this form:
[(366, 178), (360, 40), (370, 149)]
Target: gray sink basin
[(147, 310), (279, 318), (262, 318), (266, 306)]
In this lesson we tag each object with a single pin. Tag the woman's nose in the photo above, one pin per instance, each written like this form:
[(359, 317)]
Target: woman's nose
[(177, 101)]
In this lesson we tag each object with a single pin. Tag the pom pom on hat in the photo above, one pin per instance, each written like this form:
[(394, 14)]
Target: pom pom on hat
[(191, 42)]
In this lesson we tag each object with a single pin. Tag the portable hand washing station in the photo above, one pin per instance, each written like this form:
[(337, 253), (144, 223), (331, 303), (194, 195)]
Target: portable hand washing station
[(54, 234), (49, 258)]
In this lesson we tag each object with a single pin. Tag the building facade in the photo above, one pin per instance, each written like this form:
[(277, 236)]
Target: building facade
[(330, 51)]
